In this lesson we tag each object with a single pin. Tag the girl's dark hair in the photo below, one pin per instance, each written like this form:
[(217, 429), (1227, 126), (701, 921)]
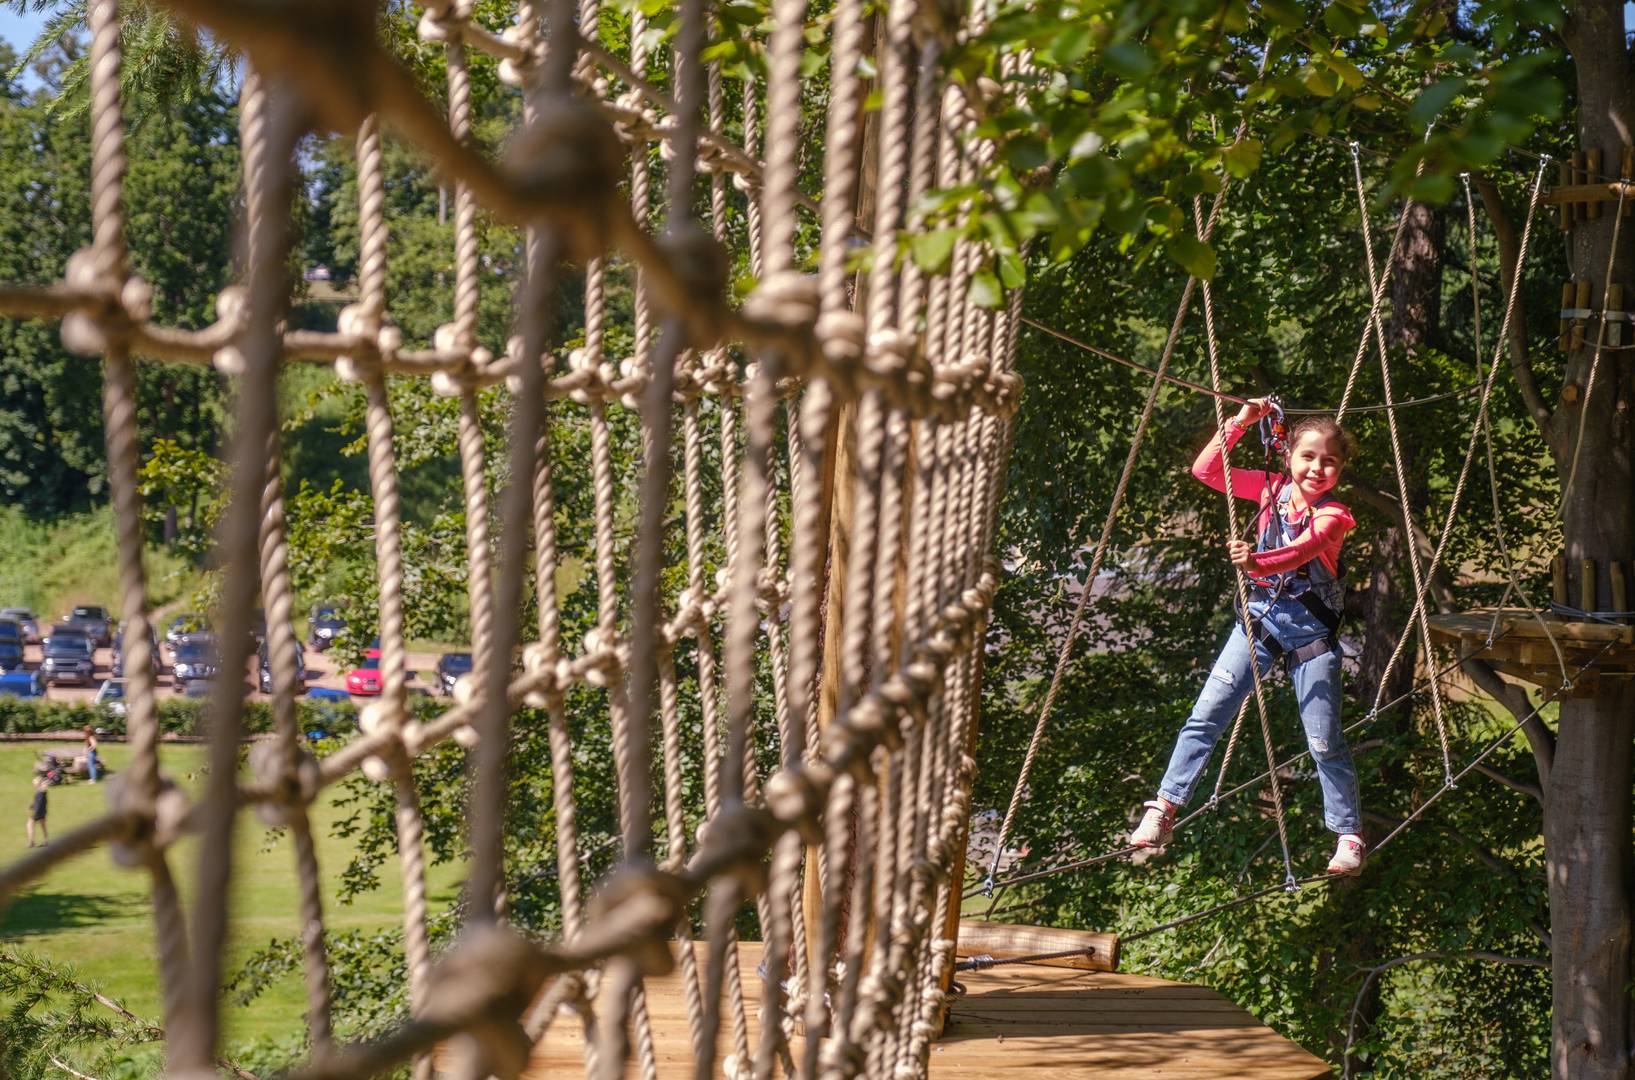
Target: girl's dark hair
[(1330, 429)]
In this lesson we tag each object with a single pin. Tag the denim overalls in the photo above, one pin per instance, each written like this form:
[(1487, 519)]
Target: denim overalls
[(1293, 627)]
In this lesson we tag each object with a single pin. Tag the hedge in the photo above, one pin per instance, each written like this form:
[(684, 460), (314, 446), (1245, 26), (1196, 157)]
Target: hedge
[(179, 716)]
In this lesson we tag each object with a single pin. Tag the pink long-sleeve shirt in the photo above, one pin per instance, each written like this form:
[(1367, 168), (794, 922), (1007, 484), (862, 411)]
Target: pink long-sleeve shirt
[(1322, 537)]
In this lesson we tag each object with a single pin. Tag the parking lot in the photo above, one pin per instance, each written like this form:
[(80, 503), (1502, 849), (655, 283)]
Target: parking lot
[(321, 671)]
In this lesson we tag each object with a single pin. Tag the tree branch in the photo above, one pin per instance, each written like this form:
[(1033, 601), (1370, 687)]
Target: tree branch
[(1514, 698), (1376, 972), (1521, 364), (1483, 855)]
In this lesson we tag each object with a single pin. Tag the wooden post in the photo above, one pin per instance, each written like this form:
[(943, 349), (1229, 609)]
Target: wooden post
[(1594, 163), (1586, 584), (1626, 171), (1620, 589), (1612, 312), (1580, 212), (841, 500), (1558, 579)]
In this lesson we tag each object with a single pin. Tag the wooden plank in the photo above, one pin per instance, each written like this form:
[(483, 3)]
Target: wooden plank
[(1052, 1022), (1615, 302), (1586, 585), (1004, 941), (1564, 337), (1558, 579), (1620, 588)]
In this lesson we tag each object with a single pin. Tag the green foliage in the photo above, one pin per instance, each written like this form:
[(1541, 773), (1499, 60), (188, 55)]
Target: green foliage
[(180, 206), (1113, 117)]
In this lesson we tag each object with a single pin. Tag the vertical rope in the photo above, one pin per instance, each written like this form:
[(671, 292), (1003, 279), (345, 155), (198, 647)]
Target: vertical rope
[(1376, 285)]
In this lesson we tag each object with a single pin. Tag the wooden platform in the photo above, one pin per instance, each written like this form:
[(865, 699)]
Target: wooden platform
[(1051, 1022), (1524, 651)]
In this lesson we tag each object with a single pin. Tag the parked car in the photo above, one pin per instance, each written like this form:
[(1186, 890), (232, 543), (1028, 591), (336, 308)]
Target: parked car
[(324, 625), (450, 666), (68, 657), (184, 627), (364, 680), (205, 688), (90, 620), (11, 630), (25, 618), (11, 655), (264, 676), (23, 684), (111, 696), (118, 652), (196, 660)]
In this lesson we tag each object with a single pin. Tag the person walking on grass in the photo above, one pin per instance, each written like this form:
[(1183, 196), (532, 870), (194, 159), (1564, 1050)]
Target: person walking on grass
[(92, 765), (36, 813)]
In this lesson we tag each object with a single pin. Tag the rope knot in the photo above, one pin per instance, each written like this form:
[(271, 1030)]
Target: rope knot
[(513, 71), (570, 160), (440, 22), (109, 310), (645, 903), (788, 299), (841, 338), (382, 721), (702, 264), (483, 986), (795, 798), (291, 774), (149, 826), (737, 840), (601, 657)]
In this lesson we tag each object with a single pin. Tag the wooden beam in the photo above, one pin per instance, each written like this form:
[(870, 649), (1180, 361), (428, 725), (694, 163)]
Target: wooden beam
[(1586, 585), (1569, 195), (1008, 941)]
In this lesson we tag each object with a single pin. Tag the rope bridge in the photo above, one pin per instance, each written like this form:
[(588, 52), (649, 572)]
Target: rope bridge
[(871, 794)]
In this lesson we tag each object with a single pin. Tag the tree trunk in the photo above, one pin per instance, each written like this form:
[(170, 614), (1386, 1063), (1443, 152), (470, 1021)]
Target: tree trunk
[(1416, 312), (1587, 808)]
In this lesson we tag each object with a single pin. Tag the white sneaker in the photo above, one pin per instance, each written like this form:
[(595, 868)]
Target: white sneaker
[(1348, 855), (1156, 826)]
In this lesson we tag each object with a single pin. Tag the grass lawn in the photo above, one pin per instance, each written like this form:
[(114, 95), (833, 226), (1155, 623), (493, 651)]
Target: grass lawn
[(95, 915)]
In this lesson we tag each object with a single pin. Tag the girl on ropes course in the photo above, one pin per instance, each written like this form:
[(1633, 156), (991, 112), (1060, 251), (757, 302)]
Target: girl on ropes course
[(1295, 599)]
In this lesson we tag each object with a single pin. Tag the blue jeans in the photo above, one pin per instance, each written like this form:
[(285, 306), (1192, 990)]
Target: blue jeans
[(91, 764), (1316, 687)]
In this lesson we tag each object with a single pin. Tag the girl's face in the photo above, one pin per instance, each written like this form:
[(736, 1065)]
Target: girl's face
[(1315, 463)]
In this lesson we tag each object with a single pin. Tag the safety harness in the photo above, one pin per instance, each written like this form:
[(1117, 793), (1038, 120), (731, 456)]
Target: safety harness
[(1311, 584)]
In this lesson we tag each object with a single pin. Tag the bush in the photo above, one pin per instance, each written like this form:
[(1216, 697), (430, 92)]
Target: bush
[(177, 716)]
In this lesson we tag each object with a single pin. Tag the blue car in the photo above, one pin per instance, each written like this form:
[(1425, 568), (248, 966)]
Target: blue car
[(23, 684)]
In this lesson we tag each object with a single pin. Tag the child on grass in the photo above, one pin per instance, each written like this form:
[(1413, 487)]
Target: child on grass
[(1295, 600), (36, 813)]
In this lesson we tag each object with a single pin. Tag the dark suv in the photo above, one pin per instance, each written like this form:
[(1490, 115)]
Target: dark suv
[(196, 660), (92, 622), (264, 677), (68, 658), (118, 652), (450, 666)]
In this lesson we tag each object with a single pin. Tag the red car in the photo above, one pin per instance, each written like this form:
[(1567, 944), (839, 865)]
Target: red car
[(364, 680)]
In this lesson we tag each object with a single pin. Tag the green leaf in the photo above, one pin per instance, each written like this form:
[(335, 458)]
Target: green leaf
[(1433, 99), (1012, 272), (1128, 59), (932, 250), (985, 289), (1195, 257), (1242, 157)]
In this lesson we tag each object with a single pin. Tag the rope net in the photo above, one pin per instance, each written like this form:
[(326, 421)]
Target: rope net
[(857, 834)]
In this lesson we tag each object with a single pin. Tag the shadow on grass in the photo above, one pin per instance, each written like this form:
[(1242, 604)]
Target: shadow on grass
[(49, 912)]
